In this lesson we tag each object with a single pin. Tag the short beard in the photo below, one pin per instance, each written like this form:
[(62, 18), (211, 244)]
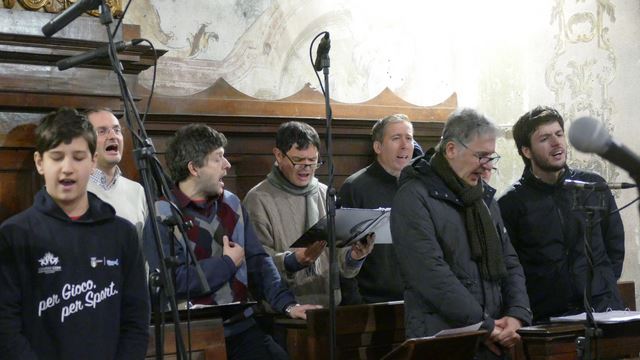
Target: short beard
[(546, 167)]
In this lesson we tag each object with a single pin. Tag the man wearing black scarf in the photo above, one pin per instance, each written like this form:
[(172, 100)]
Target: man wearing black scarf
[(458, 265)]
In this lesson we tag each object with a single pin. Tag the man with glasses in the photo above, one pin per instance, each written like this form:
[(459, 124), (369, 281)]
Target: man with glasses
[(106, 180), (287, 203), (457, 262), (548, 233)]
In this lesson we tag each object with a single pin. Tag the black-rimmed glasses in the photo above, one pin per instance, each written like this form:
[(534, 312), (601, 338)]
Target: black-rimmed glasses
[(483, 159), (301, 166)]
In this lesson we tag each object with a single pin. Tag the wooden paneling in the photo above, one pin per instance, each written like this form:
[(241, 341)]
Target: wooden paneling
[(30, 85), (249, 151)]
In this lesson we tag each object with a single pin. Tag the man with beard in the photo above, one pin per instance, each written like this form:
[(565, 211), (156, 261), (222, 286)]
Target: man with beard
[(106, 180), (371, 188), (287, 203), (548, 234)]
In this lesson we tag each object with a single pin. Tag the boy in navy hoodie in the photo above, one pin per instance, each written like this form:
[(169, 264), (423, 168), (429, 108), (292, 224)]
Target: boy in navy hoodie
[(72, 277)]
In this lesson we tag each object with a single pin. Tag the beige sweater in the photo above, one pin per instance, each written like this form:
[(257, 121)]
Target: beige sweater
[(279, 220), (127, 197)]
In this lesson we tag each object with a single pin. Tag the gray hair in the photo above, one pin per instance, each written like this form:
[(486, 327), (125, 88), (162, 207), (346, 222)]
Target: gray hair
[(464, 125), (377, 132)]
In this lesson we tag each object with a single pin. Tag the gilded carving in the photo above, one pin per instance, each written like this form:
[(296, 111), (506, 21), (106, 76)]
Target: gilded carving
[(33, 4), (56, 6), (581, 82)]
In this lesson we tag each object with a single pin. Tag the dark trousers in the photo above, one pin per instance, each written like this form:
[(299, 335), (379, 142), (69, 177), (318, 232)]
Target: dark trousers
[(252, 344)]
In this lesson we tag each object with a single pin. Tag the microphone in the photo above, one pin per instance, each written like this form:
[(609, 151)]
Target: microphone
[(588, 135), (322, 51), (75, 10), (91, 55), (597, 186)]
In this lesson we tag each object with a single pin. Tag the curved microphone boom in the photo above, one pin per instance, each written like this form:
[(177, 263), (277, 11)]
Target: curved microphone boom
[(322, 51), (588, 135)]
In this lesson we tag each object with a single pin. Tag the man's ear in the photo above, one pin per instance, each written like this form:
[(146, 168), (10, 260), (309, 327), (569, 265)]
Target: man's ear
[(278, 155), (526, 151), (37, 159), (377, 147), (450, 150), (193, 169)]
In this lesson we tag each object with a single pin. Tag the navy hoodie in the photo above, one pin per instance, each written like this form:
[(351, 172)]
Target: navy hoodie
[(71, 289)]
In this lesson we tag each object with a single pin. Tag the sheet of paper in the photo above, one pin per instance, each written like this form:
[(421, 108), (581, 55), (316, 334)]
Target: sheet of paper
[(608, 317), (460, 330)]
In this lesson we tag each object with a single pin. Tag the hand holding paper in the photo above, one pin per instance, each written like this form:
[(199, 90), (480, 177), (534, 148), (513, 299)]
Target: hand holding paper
[(306, 256), (351, 225), (363, 247)]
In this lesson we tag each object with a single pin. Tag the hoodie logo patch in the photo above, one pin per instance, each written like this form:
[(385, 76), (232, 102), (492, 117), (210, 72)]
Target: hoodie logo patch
[(49, 264), (95, 261)]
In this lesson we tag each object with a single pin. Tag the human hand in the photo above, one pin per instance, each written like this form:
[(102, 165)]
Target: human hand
[(508, 337), (363, 247), (232, 250), (306, 256), (489, 342), (300, 311)]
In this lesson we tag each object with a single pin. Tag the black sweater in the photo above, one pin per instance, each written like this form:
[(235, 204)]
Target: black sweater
[(71, 289), (379, 279)]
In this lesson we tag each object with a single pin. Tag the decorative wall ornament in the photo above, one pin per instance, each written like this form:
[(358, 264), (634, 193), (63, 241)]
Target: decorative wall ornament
[(583, 67), (33, 4), (56, 6)]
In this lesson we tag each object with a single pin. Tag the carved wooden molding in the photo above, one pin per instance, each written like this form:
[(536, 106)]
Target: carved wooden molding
[(223, 99)]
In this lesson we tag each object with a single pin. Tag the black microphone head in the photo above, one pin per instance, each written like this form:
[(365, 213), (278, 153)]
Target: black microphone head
[(589, 135), (322, 51)]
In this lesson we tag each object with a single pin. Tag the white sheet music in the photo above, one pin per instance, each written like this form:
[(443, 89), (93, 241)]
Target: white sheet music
[(460, 330), (608, 317)]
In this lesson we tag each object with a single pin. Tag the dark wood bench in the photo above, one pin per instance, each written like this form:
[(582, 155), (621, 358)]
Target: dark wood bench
[(362, 332)]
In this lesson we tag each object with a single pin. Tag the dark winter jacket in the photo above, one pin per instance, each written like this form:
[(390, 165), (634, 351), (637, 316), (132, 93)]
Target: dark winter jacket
[(549, 239), (443, 286), (71, 289)]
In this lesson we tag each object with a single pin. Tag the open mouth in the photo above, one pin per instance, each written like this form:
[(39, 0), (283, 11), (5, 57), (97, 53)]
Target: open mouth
[(557, 154), (303, 176), (112, 148), (67, 182)]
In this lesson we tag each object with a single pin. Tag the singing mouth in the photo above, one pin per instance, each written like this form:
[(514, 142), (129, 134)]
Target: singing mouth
[(112, 148)]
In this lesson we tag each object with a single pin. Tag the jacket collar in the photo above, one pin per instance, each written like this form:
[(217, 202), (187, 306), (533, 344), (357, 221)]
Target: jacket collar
[(98, 210), (530, 179)]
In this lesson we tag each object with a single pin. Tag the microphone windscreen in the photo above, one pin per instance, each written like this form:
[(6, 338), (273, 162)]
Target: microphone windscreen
[(589, 135)]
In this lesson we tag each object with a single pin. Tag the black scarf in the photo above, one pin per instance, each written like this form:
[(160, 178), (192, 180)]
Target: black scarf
[(484, 241)]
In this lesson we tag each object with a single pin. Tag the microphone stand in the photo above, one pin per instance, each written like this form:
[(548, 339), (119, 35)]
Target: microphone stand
[(334, 283), (591, 332), (150, 169)]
